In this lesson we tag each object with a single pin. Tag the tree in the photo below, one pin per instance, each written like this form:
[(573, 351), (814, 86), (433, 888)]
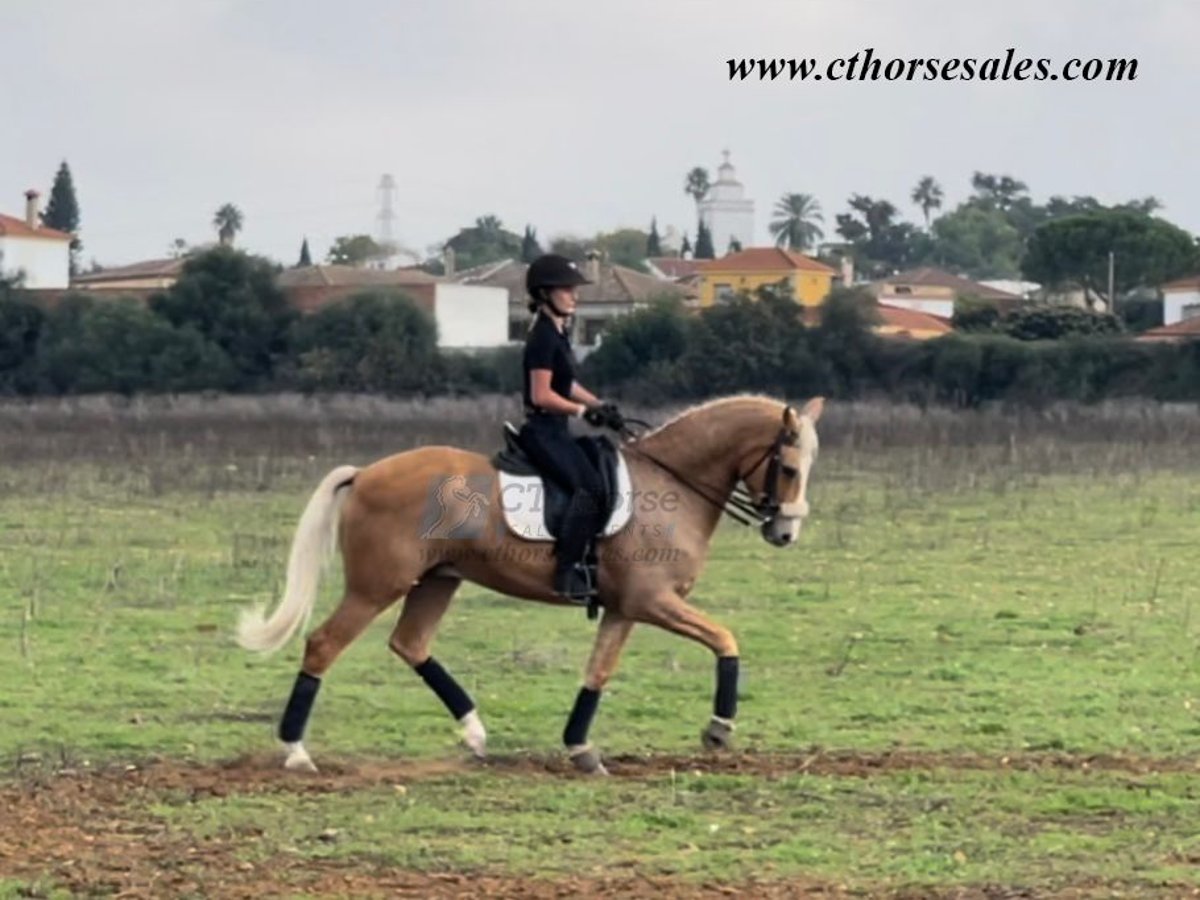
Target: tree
[(624, 247), (697, 183), (794, 226), (305, 256), (354, 250), (704, 242), (530, 248), (1002, 191), (228, 221), (927, 195), (484, 242), (735, 246), (178, 248), (653, 242), (119, 345), (978, 241), (62, 211), (230, 299), (685, 247), (21, 322), (1052, 323), (373, 341), (1074, 251), (880, 243), (653, 336), (573, 248)]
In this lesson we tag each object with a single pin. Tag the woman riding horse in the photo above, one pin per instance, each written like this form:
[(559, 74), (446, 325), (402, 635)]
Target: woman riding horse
[(553, 394), (683, 475)]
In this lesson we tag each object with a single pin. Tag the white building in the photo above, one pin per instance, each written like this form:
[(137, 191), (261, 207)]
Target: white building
[(726, 212), (39, 256), (470, 317), (1181, 300)]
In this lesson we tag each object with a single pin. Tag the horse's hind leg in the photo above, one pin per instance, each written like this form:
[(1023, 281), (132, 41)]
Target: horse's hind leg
[(323, 646), (424, 608)]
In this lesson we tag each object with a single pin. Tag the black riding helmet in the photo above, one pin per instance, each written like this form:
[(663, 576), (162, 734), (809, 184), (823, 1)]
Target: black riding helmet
[(550, 271)]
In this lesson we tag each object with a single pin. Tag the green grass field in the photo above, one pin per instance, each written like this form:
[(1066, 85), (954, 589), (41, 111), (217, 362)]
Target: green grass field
[(997, 628)]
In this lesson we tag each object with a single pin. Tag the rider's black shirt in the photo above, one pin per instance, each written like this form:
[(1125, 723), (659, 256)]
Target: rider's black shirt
[(548, 348)]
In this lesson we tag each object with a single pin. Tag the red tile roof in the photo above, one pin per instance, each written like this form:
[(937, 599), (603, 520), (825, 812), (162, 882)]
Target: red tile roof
[(912, 320), (13, 227), (1191, 283), (928, 276), (151, 268), (764, 259), (1187, 330), (675, 266), (351, 276)]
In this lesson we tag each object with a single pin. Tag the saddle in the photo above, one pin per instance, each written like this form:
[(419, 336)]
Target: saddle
[(534, 507)]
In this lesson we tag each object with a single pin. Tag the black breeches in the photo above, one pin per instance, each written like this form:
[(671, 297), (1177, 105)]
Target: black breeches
[(557, 456)]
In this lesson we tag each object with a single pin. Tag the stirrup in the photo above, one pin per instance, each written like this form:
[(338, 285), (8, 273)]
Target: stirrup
[(576, 584)]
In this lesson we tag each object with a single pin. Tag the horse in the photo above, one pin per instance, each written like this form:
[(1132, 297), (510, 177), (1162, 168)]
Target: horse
[(750, 456)]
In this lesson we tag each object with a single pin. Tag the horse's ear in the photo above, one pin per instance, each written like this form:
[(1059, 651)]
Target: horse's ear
[(813, 409)]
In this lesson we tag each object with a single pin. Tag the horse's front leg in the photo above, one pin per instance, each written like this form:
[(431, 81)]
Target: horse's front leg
[(669, 611), (606, 651)]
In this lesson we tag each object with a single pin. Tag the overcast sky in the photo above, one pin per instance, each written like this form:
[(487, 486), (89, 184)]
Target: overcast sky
[(572, 116)]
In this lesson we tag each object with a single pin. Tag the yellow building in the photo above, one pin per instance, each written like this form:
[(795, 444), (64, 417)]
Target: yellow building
[(748, 270)]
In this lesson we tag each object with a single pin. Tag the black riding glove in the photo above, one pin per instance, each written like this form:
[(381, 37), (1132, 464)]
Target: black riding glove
[(596, 416), (612, 417)]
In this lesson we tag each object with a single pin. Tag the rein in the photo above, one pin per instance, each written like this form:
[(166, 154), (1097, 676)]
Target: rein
[(738, 505)]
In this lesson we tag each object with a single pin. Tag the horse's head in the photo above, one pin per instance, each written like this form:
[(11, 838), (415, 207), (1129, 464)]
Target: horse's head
[(779, 480)]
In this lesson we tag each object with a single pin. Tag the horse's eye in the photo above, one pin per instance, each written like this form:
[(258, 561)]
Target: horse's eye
[(790, 471)]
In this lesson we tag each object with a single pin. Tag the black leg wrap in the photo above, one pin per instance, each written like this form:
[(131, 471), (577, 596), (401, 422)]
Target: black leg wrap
[(449, 691), (299, 705), (725, 704), (582, 714)]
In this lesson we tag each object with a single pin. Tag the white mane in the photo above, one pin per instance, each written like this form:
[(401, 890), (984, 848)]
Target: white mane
[(700, 407)]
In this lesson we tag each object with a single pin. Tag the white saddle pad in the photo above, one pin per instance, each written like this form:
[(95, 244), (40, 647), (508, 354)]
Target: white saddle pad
[(522, 499)]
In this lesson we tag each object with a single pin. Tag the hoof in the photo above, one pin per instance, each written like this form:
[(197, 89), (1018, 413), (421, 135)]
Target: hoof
[(298, 759), (474, 735), (586, 760), (717, 735)]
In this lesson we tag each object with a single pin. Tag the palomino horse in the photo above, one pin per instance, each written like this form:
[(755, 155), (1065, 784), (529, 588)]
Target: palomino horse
[(683, 474)]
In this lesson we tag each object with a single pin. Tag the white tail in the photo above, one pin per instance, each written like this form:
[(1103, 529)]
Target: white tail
[(312, 548)]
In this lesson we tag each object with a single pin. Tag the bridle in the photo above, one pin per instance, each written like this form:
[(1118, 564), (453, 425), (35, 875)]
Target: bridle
[(741, 506)]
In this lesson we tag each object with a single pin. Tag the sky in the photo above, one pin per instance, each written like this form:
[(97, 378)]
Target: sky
[(574, 117)]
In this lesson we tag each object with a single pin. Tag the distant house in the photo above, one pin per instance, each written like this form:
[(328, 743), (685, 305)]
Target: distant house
[(935, 291), (902, 322), (615, 291), (748, 270), (1026, 290), (39, 256), (1175, 333), (1181, 300), (151, 275), (672, 268), (467, 316), (683, 272)]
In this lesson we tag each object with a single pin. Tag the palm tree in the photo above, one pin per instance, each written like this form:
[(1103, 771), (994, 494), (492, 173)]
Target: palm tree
[(927, 195), (697, 183), (795, 225), (228, 222)]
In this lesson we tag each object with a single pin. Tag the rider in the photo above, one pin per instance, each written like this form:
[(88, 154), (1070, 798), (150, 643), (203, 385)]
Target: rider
[(552, 396)]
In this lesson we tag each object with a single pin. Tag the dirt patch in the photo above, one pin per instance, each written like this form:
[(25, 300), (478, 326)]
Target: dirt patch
[(91, 832)]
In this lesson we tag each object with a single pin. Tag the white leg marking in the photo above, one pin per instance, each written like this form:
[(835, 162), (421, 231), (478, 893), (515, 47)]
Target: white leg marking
[(474, 735), (298, 759)]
